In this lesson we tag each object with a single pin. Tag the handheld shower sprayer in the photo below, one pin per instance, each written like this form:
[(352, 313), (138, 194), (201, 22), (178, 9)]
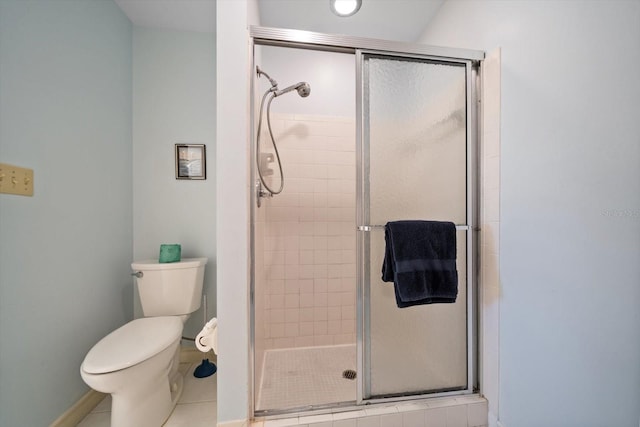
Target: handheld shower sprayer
[(303, 90)]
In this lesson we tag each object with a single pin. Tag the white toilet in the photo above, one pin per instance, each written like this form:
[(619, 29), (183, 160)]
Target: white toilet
[(138, 362)]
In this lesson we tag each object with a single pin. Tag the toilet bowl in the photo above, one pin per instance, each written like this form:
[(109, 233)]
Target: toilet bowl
[(138, 363), (134, 364)]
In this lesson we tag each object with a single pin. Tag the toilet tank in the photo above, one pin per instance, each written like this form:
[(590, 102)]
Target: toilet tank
[(170, 289)]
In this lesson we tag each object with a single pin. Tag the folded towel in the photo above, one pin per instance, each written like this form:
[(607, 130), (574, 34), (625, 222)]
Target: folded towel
[(420, 259)]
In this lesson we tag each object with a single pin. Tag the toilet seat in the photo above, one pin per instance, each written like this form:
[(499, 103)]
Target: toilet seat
[(132, 343)]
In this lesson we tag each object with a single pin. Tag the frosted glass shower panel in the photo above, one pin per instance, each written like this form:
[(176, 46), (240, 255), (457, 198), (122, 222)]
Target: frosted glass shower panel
[(417, 141), (415, 146)]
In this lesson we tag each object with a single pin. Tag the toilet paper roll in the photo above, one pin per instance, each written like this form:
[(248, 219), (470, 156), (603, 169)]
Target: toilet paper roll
[(207, 339)]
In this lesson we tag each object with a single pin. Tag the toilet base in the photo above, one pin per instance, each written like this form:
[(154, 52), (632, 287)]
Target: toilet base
[(150, 410), (177, 385), (151, 403)]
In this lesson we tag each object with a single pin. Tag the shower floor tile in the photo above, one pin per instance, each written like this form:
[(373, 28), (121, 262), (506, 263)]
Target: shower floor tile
[(301, 377)]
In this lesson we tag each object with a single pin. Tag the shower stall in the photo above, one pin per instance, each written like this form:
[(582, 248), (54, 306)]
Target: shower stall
[(382, 131)]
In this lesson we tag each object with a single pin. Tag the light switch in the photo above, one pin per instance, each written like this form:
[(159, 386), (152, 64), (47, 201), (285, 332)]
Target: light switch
[(16, 180)]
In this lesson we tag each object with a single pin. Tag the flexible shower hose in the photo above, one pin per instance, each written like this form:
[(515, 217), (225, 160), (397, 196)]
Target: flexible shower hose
[(273, 141)]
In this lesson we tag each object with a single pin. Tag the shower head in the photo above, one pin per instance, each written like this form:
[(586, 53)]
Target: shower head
[(303, 89)]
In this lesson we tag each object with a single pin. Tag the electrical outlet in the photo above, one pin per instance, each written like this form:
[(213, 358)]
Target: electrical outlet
[(16, 180)]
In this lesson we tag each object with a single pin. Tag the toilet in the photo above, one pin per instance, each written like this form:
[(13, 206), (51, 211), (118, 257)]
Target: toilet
[(138, 363)]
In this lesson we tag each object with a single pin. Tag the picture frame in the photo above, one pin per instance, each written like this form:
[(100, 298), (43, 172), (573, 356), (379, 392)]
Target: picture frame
[(191, 161)]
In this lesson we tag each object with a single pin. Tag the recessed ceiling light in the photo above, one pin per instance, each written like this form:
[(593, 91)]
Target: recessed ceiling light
[(344, 8)]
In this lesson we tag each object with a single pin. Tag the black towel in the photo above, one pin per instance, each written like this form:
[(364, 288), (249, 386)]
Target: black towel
[(420, 259)]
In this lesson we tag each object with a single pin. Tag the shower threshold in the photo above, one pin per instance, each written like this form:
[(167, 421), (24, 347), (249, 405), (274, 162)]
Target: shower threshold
[(473, 406)]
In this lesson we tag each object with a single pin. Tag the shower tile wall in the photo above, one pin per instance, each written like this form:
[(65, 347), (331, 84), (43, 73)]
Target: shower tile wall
[(307, 261)]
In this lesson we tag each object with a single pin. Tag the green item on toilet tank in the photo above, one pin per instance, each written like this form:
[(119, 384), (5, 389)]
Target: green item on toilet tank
[(169, 253)]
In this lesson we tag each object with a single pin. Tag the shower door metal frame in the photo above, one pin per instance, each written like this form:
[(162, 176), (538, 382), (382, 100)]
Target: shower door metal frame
[(364, 226), (359, 46)]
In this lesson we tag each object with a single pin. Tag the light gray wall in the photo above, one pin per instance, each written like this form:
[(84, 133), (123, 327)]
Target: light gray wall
[(174, 95), (570, 204), (65, 111), (232, 212)]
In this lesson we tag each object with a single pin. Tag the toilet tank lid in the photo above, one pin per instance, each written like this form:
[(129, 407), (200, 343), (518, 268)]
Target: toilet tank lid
[(132, 343), (153, 264)]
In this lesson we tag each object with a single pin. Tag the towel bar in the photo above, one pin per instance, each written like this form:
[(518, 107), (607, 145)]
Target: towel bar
[(371, 227)]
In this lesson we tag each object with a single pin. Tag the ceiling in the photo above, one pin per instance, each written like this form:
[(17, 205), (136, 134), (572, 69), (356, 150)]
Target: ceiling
[(402, 20)]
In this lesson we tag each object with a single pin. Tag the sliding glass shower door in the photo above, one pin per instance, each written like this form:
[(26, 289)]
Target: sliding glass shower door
[(416, 162), (408, 152)]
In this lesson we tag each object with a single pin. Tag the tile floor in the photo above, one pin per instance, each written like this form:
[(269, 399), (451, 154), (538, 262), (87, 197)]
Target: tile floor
[(197, 406)]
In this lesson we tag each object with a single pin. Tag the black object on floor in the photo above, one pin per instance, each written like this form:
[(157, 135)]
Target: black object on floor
[(205, 369)]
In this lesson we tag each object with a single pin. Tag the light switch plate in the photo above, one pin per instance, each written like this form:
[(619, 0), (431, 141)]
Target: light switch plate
[(16, 180)]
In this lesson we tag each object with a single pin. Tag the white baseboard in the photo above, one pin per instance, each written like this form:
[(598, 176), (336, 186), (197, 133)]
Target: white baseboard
[(237, 423), (500, 424), (79, 410), (90, 400)]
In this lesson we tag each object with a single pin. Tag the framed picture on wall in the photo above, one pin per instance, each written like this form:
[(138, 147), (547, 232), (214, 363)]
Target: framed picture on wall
[(191, 161)]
